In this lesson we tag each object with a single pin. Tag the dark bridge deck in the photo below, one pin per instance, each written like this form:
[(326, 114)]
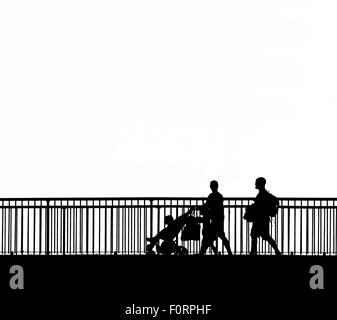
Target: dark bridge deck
[(234, 286)]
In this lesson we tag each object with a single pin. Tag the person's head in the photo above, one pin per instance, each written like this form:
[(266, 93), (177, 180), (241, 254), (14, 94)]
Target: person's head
[(168, 219), (260, 183), (214, 185)]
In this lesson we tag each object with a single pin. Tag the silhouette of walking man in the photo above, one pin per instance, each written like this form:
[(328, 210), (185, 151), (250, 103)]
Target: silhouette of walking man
[(214, 208), (263, 206)]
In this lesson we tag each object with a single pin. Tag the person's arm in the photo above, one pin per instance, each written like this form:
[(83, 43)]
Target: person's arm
[(184, 215), (207, 204), (277, 204)]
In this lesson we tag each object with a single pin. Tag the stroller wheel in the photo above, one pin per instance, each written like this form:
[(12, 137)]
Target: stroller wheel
[(181, 251), (150, 253)]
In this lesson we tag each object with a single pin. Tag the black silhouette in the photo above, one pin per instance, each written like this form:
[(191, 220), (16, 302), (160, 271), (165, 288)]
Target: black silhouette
[(208, 232), (264, 207), (169, 234), (214, 219), (191, 230)]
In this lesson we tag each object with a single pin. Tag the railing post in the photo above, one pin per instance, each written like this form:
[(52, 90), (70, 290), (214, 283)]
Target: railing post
[(151, 218), (47, 235), (64, 230)]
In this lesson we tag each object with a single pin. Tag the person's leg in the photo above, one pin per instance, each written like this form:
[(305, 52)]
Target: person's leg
[(204, 247), (273, 244), (255, 233), (153, 241), (222, 236), (214, 248), (253, 250), (266, 236)]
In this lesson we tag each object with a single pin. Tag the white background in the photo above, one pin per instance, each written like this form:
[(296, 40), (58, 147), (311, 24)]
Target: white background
[(156, 98)]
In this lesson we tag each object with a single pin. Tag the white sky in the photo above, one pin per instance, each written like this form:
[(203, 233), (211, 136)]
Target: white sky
[(156, 98)]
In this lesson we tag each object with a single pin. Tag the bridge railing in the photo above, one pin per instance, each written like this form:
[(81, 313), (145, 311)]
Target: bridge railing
[(59, 226)]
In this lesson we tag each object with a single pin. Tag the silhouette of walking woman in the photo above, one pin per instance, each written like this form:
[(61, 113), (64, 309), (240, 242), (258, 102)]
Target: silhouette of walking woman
[(264, 207), (215, 212)]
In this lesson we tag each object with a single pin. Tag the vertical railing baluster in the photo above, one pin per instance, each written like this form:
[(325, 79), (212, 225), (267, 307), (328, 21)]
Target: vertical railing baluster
[(74, 231), (63, 230), (99, 229), (288, 227), (28, 211), (111, 228), (313, 213), (144, 227), (301, 226), (9, 230), (34, 228), (295, 211), (235, 227), (22, 229), (16, 229), (118, 233), (40, 230), (307, 230), (81, 228), (334, 228), (87, 227), (93, 227), (47, 231), (151, 218), (241, 227)]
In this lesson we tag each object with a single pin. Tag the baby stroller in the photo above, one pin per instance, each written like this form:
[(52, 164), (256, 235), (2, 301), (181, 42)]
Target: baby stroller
[(169, 235)]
